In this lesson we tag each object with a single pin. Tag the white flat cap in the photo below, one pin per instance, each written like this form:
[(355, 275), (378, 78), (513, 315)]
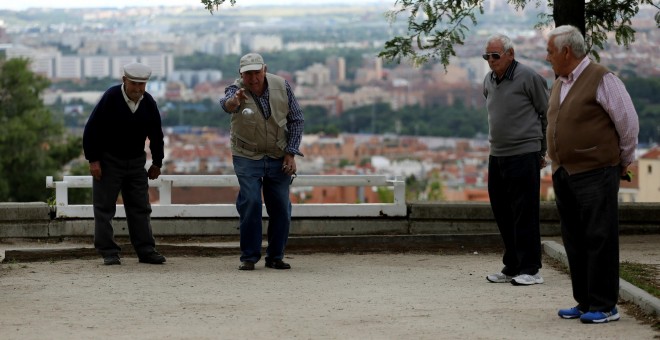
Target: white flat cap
[(137, 72), (251, 62)]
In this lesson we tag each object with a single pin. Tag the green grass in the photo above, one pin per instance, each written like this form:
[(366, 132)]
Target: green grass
[(644, 276)]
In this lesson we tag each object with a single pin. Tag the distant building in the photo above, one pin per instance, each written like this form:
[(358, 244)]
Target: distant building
[(265, 43), (41, 61), (315, 75), (219, 44), (192, 77), (161, 65), (337, 66), (53, 65), (96, 67), (649, 175), (68, 67)]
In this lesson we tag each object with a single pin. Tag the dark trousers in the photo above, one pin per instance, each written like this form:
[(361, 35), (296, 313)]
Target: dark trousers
[(514, 190), (589, 213), (129, 177)]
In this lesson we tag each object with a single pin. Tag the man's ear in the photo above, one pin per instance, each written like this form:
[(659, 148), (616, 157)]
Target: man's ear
[(265, 68)]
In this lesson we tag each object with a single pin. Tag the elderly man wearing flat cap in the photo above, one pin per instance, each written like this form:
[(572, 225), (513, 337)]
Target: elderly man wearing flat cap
[(266, 130), (113, 142)]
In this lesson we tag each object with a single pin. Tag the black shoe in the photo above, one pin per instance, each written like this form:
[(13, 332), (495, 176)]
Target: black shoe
[(246, 265), (277, 264), (111, 259), (152, 258)]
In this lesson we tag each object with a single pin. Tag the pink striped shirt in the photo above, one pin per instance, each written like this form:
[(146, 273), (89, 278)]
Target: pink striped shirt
[(615, 100)]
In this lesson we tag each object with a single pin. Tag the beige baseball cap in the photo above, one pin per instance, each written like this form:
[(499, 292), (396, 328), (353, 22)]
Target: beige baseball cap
[(251, 62), (137, 72)]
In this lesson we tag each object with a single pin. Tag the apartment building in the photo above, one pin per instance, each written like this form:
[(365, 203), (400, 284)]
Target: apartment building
[(54, 65), (649, 174)]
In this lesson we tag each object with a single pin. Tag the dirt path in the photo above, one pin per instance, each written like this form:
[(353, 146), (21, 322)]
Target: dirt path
[(324, 296)]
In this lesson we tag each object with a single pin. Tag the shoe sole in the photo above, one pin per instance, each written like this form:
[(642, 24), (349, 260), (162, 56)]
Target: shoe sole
[(527, 283), (568, 317), (247, 267), (112, 260), (506, 280), (498, 281), (275, 267), (516, 283), (606, 320), (152, 262)]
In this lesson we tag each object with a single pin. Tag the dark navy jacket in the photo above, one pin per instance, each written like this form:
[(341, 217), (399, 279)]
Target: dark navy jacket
[(112, 128)]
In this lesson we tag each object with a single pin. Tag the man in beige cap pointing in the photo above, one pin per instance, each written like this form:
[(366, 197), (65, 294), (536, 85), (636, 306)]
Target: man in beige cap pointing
[(113, 142), (266, 131)]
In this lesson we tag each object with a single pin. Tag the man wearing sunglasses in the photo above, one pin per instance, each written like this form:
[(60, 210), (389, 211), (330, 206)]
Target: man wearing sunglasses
[(517, 101)]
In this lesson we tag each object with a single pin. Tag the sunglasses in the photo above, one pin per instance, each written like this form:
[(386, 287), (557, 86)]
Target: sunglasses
[(495, 55)]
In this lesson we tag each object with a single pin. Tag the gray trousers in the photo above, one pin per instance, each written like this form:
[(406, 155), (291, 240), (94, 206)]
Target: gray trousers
[(130, 178)]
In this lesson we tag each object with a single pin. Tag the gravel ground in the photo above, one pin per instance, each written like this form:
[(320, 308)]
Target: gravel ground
[(324, 296)]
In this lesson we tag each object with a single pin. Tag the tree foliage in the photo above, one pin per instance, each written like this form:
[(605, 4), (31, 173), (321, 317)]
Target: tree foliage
[(436, 26), (32, 143), (644, 93), (451, 121)]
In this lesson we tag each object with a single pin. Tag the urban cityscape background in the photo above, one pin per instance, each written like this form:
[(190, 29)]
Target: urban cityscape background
[(363, 115)]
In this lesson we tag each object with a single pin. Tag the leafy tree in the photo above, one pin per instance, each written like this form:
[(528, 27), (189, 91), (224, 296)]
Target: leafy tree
[(644, 92), (435, 27), (32, 142), (414, 188), (385, 195), (79, 167), (434, 188)]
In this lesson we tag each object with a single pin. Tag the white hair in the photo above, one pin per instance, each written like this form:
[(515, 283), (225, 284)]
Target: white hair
[(571, 36), (506, 41)]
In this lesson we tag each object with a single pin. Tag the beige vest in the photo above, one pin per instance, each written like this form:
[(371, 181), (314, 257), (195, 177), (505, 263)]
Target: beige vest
[(581, 136), (253, 136)]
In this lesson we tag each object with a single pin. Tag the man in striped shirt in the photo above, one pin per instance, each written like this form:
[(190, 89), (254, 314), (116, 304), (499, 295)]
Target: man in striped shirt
[(592, 136)]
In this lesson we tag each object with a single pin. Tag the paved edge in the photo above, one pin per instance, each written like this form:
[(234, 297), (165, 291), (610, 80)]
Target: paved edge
[(442, 243), (628, 292)]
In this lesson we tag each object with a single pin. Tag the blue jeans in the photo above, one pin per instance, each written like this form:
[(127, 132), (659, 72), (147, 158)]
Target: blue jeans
[(254, 177), (514, 189), (589, 212)]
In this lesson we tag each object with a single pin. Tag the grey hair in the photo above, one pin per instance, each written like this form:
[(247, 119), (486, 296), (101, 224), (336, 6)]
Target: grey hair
[(568, 35), (506, 41)]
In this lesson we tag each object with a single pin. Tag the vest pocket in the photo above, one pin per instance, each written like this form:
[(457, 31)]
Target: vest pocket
[(247, 148), (591, 149)]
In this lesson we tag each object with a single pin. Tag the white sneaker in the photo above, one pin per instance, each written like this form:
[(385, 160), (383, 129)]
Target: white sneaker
[(526, 280), (499, 278)]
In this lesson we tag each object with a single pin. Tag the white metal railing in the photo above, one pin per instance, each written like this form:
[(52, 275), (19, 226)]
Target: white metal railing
[(165, 208)]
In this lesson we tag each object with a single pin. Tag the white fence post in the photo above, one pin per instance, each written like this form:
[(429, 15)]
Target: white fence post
[(165, 191), (165, 208)]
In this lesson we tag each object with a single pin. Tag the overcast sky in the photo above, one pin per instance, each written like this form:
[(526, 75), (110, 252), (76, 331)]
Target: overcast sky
[(23, 4)]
